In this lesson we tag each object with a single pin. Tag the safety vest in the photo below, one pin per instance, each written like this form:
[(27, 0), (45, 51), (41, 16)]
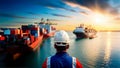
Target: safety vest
[(73, 62)]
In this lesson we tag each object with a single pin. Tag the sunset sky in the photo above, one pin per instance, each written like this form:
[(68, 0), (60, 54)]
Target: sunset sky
[(101, 14)]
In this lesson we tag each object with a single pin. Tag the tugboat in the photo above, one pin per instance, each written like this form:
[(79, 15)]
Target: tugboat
[(84, 32)]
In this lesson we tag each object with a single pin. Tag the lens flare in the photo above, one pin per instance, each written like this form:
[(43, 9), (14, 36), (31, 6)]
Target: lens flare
[(100, 19)]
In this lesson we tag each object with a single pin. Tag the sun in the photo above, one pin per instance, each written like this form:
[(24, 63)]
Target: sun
[(100, 18)]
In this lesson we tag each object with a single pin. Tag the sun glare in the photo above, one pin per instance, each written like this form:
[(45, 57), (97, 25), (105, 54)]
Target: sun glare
[(100, 19)]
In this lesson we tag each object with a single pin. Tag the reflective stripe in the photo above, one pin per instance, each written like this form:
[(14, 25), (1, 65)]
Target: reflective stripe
[(48, 62), (73, 62)]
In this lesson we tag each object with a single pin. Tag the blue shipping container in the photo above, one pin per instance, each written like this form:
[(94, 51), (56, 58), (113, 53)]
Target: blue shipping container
[(7, 32), (33, 32)]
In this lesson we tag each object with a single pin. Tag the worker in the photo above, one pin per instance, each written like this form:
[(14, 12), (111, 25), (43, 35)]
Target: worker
[(61, 59)]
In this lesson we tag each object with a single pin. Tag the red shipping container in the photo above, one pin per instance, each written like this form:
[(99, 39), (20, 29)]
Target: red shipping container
[(28, 31), (14, 31), (18, 31), (21, 32), (32, 38), (2, 38), (25, 34), (34, 28)]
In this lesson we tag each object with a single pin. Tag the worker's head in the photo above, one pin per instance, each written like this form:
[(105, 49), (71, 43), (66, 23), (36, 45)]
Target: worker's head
[(61, 40)]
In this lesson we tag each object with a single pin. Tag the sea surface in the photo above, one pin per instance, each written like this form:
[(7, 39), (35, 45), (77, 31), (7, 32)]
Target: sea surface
[(100, 52)]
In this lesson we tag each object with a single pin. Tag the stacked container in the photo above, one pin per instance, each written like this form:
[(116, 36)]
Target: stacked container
[(35, 31), (48, 28), (42, 25), (7, 32), (25, 29), (15, 31), (2, 38), (32, 38)]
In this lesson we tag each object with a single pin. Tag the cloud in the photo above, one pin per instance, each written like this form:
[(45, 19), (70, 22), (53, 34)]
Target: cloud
[(72, 4), (32, 13), (56, 4), (13, 16), (88, 3), (72, 10), (51, 4), (59, 15), (10, 25), (54, 20), (101, 5), (84, 13), (117, 18), (9, 15)]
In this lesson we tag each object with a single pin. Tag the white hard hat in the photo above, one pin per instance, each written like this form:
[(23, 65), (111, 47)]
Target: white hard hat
[(61, 36)]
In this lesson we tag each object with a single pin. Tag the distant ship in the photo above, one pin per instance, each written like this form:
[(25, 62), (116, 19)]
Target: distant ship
[(84, 32)]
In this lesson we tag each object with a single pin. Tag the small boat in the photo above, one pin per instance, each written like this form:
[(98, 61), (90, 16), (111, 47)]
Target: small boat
[(84, 32)]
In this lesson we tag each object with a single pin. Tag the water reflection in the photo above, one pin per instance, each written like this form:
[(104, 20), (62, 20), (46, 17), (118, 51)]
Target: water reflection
[(91, 52), (108, 48), (100, 52)]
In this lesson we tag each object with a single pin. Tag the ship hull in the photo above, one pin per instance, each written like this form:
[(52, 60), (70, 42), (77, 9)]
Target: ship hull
[(48, 35), (14, 51), (36, 44), (81, 35)]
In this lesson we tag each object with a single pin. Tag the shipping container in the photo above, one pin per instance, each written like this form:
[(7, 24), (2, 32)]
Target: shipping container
[(34, 28), (33, 32), (21, 31), (25, 34), (42, 30), (15, 31), (26, 31), (7, 32), (18, 31), (36, 35), (25, 27), (32, 38), (2, 38)]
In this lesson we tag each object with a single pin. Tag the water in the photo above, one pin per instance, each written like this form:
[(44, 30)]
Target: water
[(100, 52)]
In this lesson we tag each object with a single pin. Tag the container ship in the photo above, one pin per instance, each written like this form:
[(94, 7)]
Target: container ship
[(84, 32), (17, 41)]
